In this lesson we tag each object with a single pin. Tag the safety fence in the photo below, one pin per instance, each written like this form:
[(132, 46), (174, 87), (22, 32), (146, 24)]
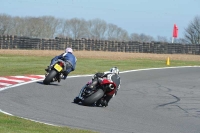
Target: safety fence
[(22, 42)]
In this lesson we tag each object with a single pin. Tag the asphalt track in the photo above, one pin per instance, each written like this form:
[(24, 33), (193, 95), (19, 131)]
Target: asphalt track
[(149, 101)]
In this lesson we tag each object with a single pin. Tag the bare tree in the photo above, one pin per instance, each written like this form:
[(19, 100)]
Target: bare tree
[(135, 37), (121, 35), (5, 21), (181, 41), (18, 26), (192, 32), (116, 33), (141, 37), (50, 26), (146, 38), (34, 27), (62, 29), (41, 27), (75, 28), (162, 39), (96, 29), (111, 31)]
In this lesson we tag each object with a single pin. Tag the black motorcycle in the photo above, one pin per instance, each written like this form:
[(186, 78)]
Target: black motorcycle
[(55, 73), (92, 96)]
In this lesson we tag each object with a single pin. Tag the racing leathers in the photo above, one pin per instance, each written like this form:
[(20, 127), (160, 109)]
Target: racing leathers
[(112, 91), (70, 62)]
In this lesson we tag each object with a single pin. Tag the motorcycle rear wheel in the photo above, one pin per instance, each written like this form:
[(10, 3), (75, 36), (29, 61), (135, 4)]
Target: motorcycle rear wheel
[(93, 98), (49, 77)]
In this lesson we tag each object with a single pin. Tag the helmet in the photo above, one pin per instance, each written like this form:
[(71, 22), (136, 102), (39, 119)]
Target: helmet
[(114, 70), (69, 50)]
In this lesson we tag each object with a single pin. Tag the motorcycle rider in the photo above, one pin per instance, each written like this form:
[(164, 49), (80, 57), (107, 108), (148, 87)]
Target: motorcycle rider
[(68, 58), (112, 75)]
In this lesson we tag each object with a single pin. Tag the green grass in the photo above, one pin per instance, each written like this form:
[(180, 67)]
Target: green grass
[(23, 65), (12, 124)]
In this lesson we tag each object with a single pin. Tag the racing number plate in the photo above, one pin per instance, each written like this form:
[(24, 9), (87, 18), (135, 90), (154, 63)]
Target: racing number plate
[(58, 67)]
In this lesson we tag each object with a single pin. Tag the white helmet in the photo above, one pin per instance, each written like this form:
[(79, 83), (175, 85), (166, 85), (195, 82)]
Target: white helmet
[(114, 70), (69, 50)]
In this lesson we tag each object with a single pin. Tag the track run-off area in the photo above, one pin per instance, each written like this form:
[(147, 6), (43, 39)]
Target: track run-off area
[(157, 100)]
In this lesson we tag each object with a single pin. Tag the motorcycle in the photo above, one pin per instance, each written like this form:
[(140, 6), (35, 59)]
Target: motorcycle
[(92, 96), (55, 73)]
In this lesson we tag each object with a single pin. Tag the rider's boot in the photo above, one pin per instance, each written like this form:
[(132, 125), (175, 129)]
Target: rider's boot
[(99, 102), (59, 78), (104, 101), (47, 69), (65, 74), (107, 98)]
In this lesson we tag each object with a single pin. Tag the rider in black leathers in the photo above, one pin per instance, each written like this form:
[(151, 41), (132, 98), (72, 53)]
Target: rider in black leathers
[(112, 75)]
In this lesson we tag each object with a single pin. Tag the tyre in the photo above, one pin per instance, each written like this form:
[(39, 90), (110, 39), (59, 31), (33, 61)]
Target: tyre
[(93, 98), (49, 77)]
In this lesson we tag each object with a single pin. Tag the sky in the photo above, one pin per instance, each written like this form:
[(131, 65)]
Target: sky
[(150, 17)]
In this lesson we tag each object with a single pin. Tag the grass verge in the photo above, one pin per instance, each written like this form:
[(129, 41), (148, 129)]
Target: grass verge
[(23, 65), (12, 124)]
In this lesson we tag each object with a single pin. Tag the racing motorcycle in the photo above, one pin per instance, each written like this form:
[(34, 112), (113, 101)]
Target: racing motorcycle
[(92, 96), (55, 73)]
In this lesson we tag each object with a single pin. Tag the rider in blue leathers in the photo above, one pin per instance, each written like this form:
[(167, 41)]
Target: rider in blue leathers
[(70, 61)]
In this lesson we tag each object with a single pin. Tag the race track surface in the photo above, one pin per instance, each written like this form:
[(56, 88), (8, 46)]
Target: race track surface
[(149, 101)]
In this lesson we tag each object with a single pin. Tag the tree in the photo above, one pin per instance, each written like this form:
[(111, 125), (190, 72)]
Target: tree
[(75, 28), (162, 39), (141, 37), (50, 26), (116, 33), (192, 32), (4, 23), (111, 32), (18, 26), (97, 29)]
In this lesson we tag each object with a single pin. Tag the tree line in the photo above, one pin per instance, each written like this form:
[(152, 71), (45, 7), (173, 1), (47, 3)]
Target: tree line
[(75, 28)]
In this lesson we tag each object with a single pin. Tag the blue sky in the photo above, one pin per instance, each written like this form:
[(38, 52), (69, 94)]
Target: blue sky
[(151, 17)]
